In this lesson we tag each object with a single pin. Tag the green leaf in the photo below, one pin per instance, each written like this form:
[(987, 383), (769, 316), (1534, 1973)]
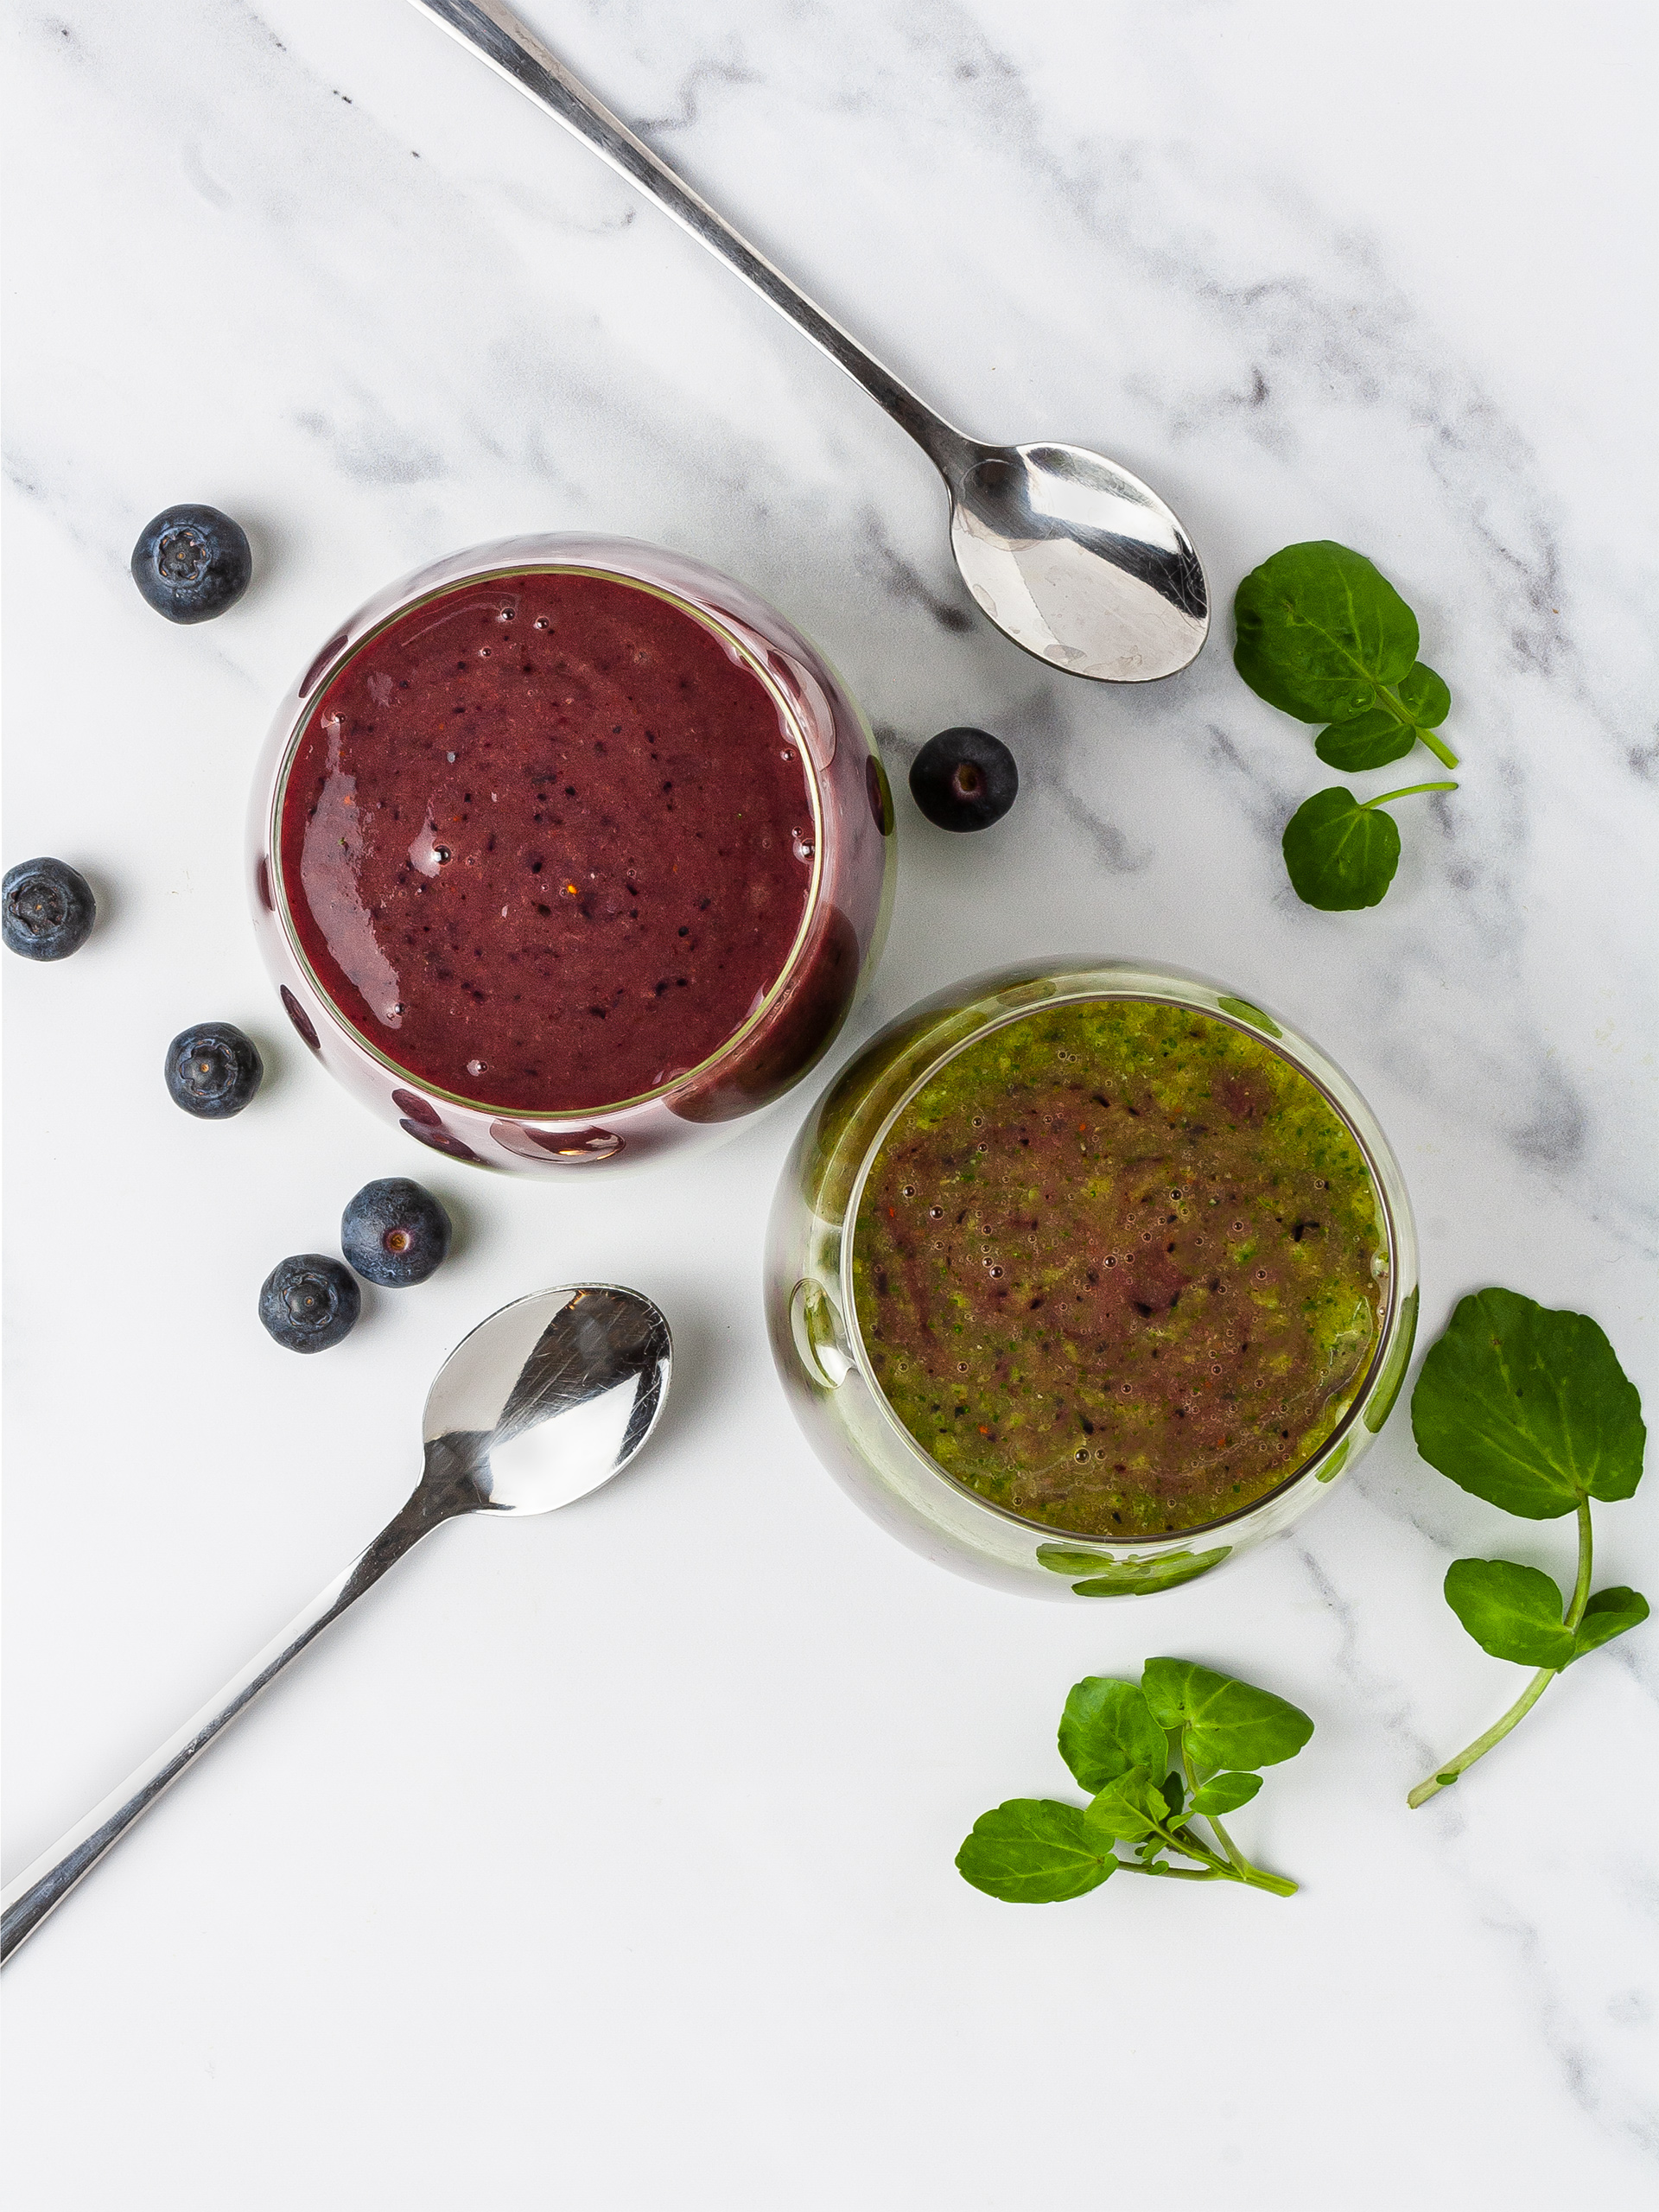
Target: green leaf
[(1243, 1011), (1528, 1407), (1111, 1578), (1034, 1851), (1173, 1794), (1334, 1466), (1426, 697), (1609, 1613), (1394, 1373), (1226, 1793), (1338, 854), (1370, 740), (1227, 1723), (1321, 630), (1107, 1728), (1513, 1612), (1128, 1808)]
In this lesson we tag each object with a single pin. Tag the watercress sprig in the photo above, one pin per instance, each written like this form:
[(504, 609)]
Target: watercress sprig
[(1528, 1408), (1183, 1745), (1322, 634)]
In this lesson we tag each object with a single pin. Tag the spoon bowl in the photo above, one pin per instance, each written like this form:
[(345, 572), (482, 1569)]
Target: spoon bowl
[(547, 1400), (1079, 562)]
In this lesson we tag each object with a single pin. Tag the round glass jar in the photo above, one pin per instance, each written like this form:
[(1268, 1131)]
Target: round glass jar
[(847, 843), (819, 1344)]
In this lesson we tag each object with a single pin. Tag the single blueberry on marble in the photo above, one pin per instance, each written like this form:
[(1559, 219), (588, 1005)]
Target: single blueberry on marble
[(213, 1070), (394, 1232), (49, 909), (191, 562), (964, 779), (309, 1302)]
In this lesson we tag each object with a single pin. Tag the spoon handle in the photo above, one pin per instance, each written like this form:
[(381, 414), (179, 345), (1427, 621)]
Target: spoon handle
[(515, 51), (40, 1889)]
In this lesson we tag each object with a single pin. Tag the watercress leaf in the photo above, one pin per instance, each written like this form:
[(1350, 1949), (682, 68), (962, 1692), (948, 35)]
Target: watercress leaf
[(1227, 1723), (1609, 1613), (1370, 740), (1127, 1807), (1106, 1577), (1035, 1851), (1320, 630), (1226, 1793), (1513, 1612), (1242, 1010), (1106, 1729), (1528, 1407), (1338, 854), (1386, 1389), (1175, 1795), (1425, 696)]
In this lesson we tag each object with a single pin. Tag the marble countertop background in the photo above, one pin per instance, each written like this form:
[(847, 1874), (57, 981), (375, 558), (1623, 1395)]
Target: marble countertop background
[(605, 1861)]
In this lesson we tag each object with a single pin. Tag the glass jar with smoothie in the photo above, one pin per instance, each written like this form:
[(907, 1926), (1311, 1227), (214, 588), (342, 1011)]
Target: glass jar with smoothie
[(1083, 1279), (567, 850)]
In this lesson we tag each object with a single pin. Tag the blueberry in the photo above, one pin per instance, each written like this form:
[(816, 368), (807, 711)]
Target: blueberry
[(191, 562), (964, 779), (309, 1302), (213, 1070), (49, 908), (394, 1232)]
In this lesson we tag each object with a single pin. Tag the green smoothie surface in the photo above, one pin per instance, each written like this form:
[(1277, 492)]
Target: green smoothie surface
[(1120, 1267)]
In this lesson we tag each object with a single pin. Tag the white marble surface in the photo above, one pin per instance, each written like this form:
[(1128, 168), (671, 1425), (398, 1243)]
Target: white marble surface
[(606, 1861)]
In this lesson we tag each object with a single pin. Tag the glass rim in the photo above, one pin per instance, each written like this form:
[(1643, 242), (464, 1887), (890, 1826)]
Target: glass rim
[(1387, 1325), (309, 706)]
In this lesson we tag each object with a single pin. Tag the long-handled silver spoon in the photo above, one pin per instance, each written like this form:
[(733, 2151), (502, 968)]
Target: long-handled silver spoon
[(1069, 554), (544, 1401)]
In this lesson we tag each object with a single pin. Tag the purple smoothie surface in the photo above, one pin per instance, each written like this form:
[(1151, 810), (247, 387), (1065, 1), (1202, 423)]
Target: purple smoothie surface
[(546, 842)]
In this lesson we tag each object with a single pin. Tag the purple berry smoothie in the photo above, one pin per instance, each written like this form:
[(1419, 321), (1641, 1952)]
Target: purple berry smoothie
[(546, 841)]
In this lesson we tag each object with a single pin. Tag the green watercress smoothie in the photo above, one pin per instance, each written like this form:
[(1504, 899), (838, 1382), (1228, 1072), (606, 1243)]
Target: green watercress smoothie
[(1120, 1267)]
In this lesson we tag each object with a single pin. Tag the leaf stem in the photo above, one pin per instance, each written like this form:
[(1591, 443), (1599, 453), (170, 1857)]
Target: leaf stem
[(1227, 1844), (1189, 1846), (1257, 1876), (1382, 798), (1169, 1873), (1444, 1776), (1581, 1584), (1390, 700), (1243, 1869), (1190, 1771)]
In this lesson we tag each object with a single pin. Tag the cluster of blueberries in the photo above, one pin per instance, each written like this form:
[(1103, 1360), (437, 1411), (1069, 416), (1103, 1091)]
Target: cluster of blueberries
[(394, 1232), (191, 563)]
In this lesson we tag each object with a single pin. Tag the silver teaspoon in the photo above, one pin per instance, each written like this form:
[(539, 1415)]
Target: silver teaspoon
[(544, 1401), (1069, 556)]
